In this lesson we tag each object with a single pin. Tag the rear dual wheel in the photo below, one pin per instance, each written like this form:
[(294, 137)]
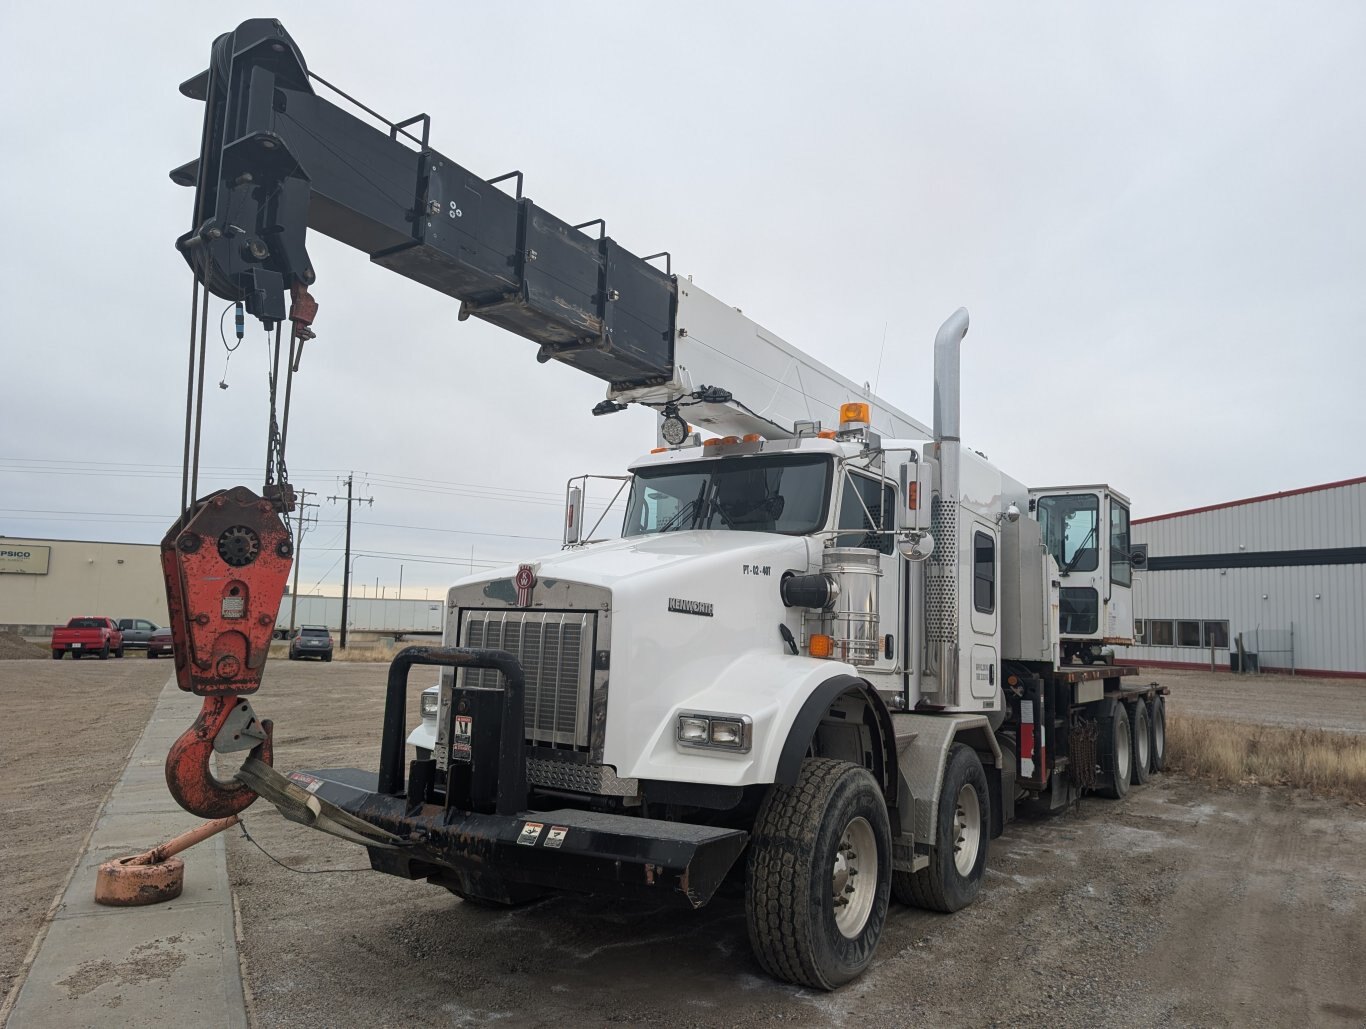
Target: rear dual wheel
[(1142, 739), (1117, 753), (958, 862)]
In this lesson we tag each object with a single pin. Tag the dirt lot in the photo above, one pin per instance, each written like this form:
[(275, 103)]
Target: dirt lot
[(1335, 704), (1179, 905), (65, 736)]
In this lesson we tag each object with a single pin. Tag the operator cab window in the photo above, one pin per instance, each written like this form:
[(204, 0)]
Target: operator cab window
[(866, 506), (1121, 571), (1071, 530)]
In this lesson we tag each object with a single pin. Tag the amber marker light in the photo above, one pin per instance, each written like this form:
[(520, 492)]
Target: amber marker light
[(820, 645), (855, 412)]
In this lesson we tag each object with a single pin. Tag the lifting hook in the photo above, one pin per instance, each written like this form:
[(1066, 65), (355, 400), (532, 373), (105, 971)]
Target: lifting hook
[(188, 775)]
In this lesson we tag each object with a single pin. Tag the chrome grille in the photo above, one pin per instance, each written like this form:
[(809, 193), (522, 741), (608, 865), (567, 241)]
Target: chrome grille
[(555, 650)]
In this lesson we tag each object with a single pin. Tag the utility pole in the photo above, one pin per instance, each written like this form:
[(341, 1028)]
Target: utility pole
[(346, 562), (298, 559)]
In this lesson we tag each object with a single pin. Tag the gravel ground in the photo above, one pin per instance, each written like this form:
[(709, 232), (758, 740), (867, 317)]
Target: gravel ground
[(52, 789), (1177, 906)]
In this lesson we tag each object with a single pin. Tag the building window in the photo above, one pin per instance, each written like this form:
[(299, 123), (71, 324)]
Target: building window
[(1188, 634), (1121, 572), (1160, 633), (1216, 635), (1138, 631), (983, 572)]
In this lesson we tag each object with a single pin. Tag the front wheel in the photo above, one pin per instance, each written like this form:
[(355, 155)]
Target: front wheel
[(119, 653), (958, 862), (820, 868)]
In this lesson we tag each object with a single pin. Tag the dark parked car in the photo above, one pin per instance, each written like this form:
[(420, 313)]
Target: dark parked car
[(136, 632), (159, 643), (312, 641)]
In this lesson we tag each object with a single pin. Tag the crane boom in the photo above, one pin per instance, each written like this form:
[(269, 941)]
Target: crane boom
[(277, 159)]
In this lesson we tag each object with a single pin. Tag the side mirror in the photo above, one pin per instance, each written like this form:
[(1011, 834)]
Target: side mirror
[(1138, 556), (915, 545), (915, 494), (573, 516)]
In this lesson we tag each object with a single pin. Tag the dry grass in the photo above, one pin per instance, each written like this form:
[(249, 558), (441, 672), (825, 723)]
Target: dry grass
[(1327, 763)]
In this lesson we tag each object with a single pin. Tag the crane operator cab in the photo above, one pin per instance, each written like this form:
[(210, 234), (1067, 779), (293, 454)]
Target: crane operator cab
[(1086, 530)]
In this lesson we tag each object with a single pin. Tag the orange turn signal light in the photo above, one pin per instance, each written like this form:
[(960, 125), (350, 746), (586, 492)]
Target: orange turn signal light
[(713, 442), (728, 440), (820, 645), (752, 437), (659, 450), (827, 434)]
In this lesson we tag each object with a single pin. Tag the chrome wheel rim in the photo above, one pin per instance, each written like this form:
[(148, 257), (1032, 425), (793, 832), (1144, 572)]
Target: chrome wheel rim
[(1144, 746), (853, 880), (1160, 735), (1123, 766), (967, 830)]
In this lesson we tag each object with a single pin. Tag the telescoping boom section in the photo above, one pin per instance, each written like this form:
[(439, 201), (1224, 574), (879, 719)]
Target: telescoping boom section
[(277, 159)]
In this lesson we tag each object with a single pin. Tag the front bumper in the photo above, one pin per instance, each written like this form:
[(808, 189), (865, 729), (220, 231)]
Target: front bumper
[(513, 857)]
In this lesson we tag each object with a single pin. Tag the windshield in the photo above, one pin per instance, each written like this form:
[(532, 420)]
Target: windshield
[(784, 493), (1070, 525)]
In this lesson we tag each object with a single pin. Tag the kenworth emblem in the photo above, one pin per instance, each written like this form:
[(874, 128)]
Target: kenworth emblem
[(690, 607), (524, 581)]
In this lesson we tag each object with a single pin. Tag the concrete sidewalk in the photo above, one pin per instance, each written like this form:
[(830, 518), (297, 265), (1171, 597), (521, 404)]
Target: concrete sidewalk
[(172, 964)]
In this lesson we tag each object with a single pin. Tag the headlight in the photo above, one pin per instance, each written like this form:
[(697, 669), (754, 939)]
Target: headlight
[(431, 701), (716, 732), (693, 730)]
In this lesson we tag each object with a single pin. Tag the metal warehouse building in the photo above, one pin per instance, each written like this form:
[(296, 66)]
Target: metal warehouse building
[(1284, 575), (44, 582)]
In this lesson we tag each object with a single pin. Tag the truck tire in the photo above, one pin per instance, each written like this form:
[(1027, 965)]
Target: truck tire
[(119, 653), (1118, 754), (958, 861), (56, 655), (1142, 740), (104, 652), (819, 871), (1157, 717)]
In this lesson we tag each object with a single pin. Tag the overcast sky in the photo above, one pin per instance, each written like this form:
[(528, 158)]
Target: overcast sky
[(1153, 212)]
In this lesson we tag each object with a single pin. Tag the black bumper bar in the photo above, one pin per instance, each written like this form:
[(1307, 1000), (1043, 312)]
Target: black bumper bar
[(515, 857)]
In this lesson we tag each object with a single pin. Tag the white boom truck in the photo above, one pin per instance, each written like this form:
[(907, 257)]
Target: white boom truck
[(825, 659)]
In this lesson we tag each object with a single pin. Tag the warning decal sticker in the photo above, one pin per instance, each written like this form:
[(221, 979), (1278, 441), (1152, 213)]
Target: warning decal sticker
[(531, 832), (556, 835), (462, 738)]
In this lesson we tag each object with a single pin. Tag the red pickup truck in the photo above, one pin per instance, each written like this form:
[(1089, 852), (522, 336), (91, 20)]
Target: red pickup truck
[(87, 635)]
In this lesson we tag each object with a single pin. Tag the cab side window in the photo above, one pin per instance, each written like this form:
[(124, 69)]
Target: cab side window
[(866, 507)]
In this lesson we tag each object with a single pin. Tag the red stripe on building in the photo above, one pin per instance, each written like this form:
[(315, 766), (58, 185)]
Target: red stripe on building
[(1251, 500)]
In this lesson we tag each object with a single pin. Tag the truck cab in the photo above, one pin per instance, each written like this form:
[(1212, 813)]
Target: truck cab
[(1086, 531)]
